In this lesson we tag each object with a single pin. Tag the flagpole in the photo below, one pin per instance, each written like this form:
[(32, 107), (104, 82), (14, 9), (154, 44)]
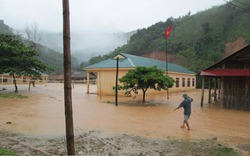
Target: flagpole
[(166, 53), (167, 33), (116, 82)]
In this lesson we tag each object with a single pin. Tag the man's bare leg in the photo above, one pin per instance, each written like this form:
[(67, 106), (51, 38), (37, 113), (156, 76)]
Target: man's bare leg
[(187, 125), (183, 125)]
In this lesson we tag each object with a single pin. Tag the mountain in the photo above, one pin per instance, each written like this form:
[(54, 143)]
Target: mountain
[(196, 41), (84, 45), (50, 57), (5, 29), (54, 59)]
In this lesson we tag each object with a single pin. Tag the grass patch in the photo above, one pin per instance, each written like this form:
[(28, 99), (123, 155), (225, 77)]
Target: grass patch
[(12, 95), (226, 151), (211, 147), (6, 152)]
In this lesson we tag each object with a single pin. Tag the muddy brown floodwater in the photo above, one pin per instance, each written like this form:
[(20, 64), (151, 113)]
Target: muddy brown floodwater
[(43, 113)]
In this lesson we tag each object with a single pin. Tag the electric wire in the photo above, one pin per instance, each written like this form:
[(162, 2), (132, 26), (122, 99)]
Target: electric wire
[(229, 2), (242, 3)]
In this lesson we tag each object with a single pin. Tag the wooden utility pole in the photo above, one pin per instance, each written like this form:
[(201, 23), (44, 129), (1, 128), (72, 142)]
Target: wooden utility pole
[(202, 93), (67, 80)]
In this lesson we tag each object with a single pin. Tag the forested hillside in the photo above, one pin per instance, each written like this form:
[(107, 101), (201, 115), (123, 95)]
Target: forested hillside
[(196, 40), (50, 57), (55, 60), (5, 29)]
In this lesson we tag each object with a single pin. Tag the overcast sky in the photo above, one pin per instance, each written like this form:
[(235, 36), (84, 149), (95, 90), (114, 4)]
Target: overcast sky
[(98, 15)]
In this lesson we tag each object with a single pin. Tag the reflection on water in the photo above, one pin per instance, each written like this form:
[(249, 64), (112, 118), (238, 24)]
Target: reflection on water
[(43, 113)]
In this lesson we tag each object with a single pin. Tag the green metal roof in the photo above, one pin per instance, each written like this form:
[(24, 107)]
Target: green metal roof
[(132, 61)]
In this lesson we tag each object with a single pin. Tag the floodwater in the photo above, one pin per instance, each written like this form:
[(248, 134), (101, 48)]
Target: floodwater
[(43, 113)]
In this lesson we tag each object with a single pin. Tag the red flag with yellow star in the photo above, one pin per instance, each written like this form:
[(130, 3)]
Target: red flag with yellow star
[(168, 31)]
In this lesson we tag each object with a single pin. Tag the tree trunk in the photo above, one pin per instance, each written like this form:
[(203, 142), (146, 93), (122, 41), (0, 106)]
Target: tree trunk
[(14, 81), (67, 80), (144, 95), (29, 85)]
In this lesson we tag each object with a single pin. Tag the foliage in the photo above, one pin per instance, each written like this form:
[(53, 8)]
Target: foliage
[(143, 78), (226, 151), (5, 29), (187, 57), (98, 59), (18, 59), (11, 96), (50, 57), (6, 152), (209, 147), (200, 37), (204, 33), (53, 59)]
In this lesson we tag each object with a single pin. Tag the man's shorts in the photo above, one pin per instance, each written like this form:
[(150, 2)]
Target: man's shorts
[(186, 117)]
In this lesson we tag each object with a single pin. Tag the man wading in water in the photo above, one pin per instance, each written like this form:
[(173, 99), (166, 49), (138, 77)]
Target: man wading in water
[(186, 104)]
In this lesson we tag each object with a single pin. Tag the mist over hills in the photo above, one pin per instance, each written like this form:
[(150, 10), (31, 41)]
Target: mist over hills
[(196, 41), (84, 45)]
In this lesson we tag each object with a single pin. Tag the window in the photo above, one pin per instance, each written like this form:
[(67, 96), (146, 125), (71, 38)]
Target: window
[(183, 82), (177, 81), (193, 82), (188, 82)]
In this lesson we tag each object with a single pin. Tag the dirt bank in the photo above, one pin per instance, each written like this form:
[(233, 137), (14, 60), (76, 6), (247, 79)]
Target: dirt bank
[(97, 143)]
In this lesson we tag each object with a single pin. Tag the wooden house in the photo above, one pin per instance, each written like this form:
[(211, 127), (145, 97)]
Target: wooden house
[(106, 73), (232, 80)]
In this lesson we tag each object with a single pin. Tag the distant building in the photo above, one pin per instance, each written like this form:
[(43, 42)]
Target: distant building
[(56, 78), (106, 73), (76, 77), (6, 79), (232, 77), (81, 77)]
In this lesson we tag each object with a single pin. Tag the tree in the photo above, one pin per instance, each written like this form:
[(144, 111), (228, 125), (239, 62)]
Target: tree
[(32, 33), (18, 59), (187, 58), (144, 78)]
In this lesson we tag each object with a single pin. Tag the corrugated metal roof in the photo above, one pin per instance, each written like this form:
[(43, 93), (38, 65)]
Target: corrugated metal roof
[(226, 72), (132, 61), (79, 74)]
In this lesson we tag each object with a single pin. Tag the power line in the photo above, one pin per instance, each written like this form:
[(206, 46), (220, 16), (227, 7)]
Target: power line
[(242, 3), (234, 4)]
